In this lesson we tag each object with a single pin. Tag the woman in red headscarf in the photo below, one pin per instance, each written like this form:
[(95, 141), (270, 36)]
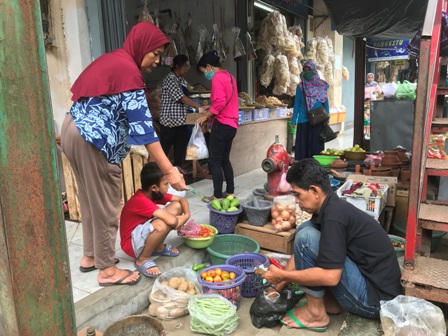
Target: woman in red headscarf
[(109, 114)]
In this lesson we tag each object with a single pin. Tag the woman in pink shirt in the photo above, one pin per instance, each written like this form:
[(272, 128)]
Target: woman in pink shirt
[(223, 115)]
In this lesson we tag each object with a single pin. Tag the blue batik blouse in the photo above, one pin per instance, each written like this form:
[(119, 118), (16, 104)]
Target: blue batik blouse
[(115, 122)]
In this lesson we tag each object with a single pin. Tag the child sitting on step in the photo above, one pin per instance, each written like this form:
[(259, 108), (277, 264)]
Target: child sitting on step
[(144, 226)]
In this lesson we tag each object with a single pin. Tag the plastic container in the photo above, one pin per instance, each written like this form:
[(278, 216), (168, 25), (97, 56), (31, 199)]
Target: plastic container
[(375, 204), (334, 184), (354, 155), (231, 289), (201, 243), (227, 245), (283, 212), (399, 228), (325, 160), (248, 262), (224, 221), (260, 114), (257, 216)]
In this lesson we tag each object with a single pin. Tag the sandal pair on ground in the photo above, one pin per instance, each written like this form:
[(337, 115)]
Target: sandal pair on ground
[(299, 324), (167, 252)]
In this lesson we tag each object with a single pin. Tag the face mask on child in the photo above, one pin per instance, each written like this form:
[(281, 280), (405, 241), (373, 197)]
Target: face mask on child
[(308, 75), (209, 75)]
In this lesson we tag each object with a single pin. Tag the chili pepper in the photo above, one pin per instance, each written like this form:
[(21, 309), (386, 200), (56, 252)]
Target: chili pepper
[(276, 263)]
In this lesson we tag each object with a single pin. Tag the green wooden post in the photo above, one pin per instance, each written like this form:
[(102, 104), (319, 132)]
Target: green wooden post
[(35, 289)]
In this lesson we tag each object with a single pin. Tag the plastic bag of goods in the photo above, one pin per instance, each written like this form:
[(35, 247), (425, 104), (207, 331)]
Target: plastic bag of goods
[(267, 70), (411, 316), (238, 47), (283, 213), (436, 146), (212, 314), (281, 74), (171, 293), (197, 147)]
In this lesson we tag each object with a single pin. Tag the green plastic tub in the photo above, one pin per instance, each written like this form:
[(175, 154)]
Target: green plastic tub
[(227, 245)]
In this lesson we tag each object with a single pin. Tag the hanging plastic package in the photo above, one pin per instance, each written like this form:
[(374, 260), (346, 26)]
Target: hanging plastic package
[(405, 90), (203, 34), (251, 54), (197, 147), (238, 47), (171, 49), (145, 16), (217, 43)]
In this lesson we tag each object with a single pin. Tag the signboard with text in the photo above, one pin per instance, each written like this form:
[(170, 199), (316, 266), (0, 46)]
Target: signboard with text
[(387, 49)]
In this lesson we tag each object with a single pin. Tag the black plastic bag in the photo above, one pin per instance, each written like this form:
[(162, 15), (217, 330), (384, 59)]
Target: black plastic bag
[(267, 311)]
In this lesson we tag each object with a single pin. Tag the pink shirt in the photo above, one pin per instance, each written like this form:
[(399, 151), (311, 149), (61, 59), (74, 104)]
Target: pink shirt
[(224, 99)]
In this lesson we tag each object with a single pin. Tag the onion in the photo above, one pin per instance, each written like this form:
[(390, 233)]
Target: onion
[(278, 227), (275, 214), (280, 207), (285, 215), (291, 207), (274, 222), (286, 225), (279, 219), (292, 220)]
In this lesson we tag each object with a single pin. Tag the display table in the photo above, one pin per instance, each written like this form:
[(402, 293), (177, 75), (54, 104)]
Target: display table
[(252, 141)]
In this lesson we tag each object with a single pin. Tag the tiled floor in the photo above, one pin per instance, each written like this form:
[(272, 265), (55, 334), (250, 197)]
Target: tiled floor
[(85, 283)]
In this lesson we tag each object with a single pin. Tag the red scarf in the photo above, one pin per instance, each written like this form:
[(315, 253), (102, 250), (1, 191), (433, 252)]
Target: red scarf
[(119, 71)]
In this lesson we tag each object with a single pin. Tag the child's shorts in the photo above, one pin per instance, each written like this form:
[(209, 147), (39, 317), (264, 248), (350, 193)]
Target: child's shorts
[(139, 235)]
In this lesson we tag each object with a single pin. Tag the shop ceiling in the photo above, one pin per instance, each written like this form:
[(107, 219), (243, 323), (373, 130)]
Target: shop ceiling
[(379, 18)]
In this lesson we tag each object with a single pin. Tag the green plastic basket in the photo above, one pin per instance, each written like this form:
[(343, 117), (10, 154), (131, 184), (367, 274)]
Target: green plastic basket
[(227, 245)]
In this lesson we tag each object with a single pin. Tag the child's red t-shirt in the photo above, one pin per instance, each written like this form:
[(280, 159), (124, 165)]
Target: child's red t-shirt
[(137, 210)]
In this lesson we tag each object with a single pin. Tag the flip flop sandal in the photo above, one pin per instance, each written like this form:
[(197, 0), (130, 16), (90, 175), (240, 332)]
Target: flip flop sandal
[(300, 324), (83, 269), (166, 252), (146, 266), (120, 281)]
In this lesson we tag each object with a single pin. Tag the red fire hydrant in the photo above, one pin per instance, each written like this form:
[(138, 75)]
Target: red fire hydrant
[(277, 161)]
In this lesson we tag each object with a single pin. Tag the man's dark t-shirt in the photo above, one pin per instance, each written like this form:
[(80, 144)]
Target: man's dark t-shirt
[(346, 231)]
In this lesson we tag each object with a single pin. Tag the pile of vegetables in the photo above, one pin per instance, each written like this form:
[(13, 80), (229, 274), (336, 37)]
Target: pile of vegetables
[(180, 284), (217, 275), (283, 216), (228, 204), (191, 229)]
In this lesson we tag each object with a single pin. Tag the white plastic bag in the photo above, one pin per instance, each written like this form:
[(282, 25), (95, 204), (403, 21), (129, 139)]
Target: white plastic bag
[(197, 147), (169, 303), (411, 316), (389, 90)]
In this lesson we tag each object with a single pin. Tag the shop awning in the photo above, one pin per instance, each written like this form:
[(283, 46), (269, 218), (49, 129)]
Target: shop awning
[(379, 18)]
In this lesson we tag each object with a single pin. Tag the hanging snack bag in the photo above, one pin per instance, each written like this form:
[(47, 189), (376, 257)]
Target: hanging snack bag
[(238, 47), (436, 146)]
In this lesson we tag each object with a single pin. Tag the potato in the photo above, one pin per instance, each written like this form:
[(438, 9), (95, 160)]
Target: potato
[(191, 292), (178, 312), (165, 283), (152, 310), (162, 313), (174, 282), (182, 279), (190, 285), (183, 287)]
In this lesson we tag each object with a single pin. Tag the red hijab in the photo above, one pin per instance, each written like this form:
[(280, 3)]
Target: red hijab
[(119, 71)]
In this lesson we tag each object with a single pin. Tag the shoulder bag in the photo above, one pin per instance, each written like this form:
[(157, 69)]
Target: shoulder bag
[(327, 134), (315, 116)]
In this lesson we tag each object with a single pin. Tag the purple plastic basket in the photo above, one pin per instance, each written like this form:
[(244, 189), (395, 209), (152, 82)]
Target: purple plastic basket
[(224, 221), (231, 289), (248, 261)]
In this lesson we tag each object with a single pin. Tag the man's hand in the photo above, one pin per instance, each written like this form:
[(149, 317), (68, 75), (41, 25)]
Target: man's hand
[(273, 275), (176, 179)]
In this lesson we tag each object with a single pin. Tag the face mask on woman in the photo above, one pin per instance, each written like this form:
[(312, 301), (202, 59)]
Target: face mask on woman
[(209, 75), (308, 75)]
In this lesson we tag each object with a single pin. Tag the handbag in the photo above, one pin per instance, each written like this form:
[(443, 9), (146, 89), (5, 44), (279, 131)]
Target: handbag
[(327, 134), (315, 116)]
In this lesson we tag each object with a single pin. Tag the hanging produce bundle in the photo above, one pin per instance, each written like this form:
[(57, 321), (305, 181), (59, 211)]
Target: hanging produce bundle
[(238, 47), (251, 54), (171, 49), (217, 43)]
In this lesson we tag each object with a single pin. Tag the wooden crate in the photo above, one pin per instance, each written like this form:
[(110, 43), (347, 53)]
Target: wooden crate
[(268, 239), (130, 172)]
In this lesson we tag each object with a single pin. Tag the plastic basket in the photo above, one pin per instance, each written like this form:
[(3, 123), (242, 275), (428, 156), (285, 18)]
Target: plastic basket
[(399, 251), (257, 216), (231, 289), (248, 262), (375, 204), (260, 114), (227, 245), (224, 221), (247, 116)]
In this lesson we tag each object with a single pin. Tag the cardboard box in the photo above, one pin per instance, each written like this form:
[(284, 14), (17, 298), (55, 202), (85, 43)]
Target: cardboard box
[(391, 181), (268, 239), (342, 116), (333, 118), (401, 211), (192, 118)]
